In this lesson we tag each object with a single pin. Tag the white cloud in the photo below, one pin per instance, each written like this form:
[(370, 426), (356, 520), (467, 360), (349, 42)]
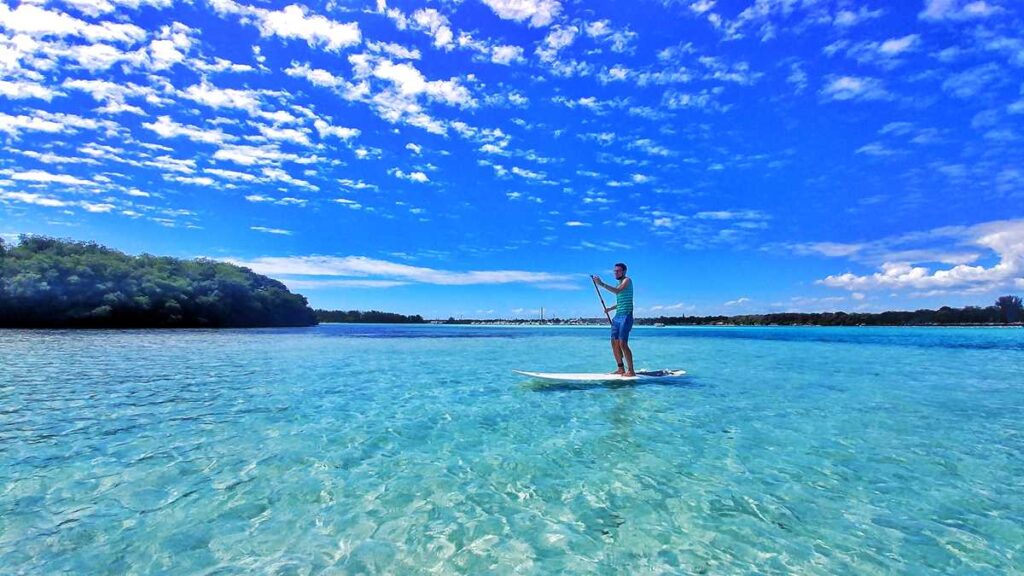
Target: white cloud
[(409, 81), (295, 284), (603, 31), (898, 45), (167, 128), (797, 77), (317, 76), (293, 135), (183, 165), (341, 132), (98, 57), (220, 65), (616, 73), (436, 24), (506, 54), (706, 99), (51, 158), (731, 215), (886, 54), (361, 267), (855, 88), (250, 155), (672, 307), (28, 198), (23, 89), (286, 201), (233, 175), (194, 180), (280, 175), (265, 230), (209, 95), (650, 147), (897, 128), (97, 207), (95, 8), (876, 149), (529, 174), (394, 50), (414, 148), (349, 203), (702, 6), (559, 38), (35, 21), (1003, 238), (399, 99), (114, 94), (46, 177), (973, 81), (357, 184), (364, 153), (957, 10), (830, 249), (538, 12), (847, 18), (295, 22), (412, 177), (592, 103), (738, 301), (576, 224)]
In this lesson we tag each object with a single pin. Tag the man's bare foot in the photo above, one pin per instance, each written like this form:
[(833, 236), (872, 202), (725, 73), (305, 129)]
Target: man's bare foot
[(630, 374), (620, 372)]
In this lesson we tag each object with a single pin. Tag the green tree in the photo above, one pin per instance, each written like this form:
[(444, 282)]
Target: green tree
[(1010, 308), (46, 282)]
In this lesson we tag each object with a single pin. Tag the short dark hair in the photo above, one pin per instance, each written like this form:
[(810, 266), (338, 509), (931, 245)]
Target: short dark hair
[(621, 264)]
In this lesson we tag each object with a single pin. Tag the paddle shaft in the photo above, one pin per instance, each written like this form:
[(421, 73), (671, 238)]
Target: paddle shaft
[(601, 298)]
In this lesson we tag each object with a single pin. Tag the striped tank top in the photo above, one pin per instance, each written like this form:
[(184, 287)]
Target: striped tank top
[(624, 300)]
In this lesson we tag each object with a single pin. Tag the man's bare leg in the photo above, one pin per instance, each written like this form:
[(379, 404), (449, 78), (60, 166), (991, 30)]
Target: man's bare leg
[(625, 351), (617, 351)]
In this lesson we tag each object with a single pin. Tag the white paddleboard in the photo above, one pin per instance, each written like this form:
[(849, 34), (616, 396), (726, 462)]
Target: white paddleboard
[(641, 375)]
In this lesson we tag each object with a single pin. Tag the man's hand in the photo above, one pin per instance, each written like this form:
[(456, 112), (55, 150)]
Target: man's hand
[(596, 278)]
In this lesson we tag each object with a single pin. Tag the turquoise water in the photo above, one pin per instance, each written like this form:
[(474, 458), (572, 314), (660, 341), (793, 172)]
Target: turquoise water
[(392, 449)]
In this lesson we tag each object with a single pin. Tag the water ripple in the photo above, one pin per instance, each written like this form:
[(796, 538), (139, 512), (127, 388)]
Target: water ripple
[(413, 450)]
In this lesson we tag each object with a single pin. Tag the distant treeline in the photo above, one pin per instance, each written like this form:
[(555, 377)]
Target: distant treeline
[(373, 316), (1007, 310), (46, 282)]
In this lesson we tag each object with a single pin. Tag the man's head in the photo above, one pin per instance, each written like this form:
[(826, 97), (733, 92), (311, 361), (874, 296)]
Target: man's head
[(620, 270)]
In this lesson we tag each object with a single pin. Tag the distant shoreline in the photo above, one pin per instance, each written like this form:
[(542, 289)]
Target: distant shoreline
[(1017, 325), (538, 324)]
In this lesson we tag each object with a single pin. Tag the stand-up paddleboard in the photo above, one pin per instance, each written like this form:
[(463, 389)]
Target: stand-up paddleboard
[(641, 375)]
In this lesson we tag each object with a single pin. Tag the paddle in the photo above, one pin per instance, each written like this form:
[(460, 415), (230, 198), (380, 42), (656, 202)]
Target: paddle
[(603, 307)]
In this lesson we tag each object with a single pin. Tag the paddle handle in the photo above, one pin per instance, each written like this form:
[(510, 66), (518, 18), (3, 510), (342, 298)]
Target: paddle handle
[(601, 298)]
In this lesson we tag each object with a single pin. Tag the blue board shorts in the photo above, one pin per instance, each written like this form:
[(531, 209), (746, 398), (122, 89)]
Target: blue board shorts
[(621, 325)]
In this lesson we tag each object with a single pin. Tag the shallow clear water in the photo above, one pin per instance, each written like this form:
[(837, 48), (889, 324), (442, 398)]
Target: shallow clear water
[(396, 449)]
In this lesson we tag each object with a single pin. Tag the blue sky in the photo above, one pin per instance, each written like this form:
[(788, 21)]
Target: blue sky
[(479, 158)]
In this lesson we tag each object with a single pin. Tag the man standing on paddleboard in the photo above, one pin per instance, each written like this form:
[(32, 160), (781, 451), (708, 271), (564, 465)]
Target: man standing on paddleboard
[(622, 323)]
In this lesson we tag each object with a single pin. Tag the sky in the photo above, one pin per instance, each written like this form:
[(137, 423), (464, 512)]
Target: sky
[(480, 158)]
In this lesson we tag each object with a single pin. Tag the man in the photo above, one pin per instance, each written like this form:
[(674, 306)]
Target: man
[(622, 323)]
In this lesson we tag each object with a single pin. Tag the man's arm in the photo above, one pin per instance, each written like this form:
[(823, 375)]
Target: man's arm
[(615, 289)]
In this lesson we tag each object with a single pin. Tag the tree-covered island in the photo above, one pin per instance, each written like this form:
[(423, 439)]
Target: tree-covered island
[(48, 283)]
